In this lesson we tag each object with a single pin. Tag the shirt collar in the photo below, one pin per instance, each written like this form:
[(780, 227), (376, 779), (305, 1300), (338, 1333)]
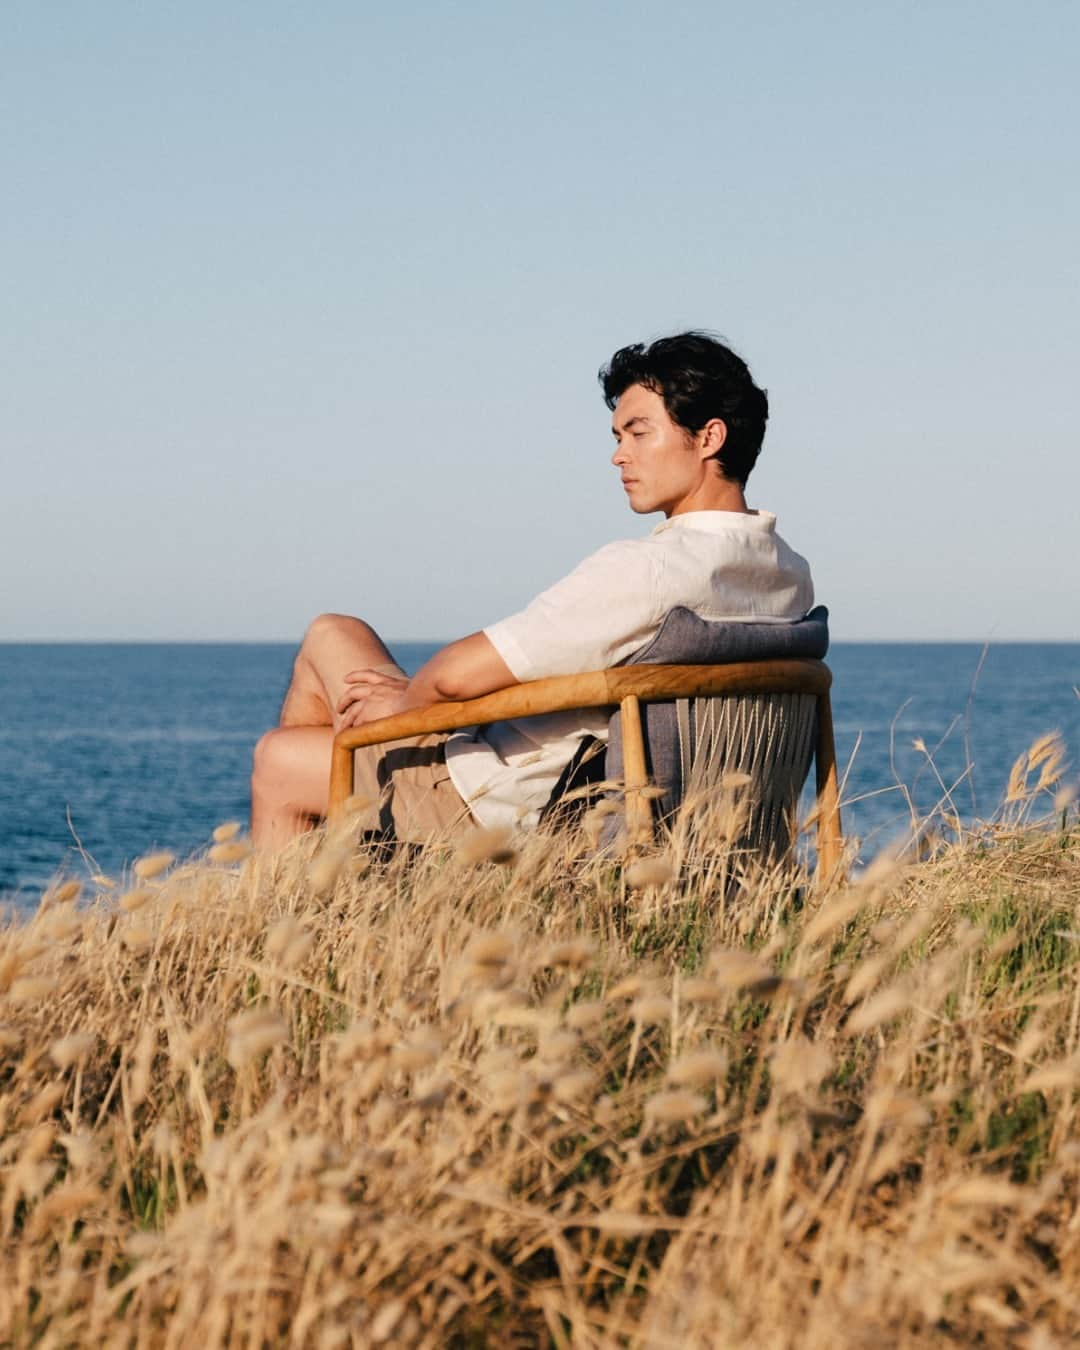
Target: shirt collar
[(712, 522)]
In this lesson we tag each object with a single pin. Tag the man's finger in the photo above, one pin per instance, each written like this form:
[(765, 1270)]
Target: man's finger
[(351, 696)]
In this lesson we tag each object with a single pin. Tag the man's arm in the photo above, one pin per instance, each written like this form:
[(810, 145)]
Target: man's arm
[(594, 617), (463, 669)]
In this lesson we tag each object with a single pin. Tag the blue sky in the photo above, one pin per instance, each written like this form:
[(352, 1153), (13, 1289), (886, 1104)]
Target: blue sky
[(304, 304)]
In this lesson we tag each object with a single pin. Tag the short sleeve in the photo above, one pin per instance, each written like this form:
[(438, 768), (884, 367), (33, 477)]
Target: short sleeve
[(595, 617)]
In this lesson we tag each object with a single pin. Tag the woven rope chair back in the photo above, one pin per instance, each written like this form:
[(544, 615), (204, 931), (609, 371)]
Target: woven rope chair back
[(743, 760)]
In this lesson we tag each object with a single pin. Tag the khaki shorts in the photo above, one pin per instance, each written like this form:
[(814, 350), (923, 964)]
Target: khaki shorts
[(409, 788)]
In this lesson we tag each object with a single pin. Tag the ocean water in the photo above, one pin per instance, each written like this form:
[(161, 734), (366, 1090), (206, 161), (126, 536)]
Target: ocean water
[(107, 751)]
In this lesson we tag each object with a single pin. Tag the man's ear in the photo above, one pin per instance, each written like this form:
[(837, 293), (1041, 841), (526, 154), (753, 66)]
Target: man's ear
[(711, 438)]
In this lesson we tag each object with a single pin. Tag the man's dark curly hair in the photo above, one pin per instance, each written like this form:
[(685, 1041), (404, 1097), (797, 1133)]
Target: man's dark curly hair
[(698, 378)]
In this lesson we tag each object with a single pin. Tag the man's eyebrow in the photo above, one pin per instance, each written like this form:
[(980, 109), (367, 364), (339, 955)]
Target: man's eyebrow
[(631, 422)]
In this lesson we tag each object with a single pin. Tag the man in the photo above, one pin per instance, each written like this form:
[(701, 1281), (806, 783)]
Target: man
[(688, 421)]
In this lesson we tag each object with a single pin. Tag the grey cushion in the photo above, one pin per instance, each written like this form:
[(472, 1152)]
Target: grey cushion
[(686, 639)]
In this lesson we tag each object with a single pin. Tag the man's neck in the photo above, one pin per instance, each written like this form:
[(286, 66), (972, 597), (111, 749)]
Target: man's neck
[(722, 495)]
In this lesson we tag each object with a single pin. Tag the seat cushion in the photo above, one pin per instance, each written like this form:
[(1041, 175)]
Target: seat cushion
[(686, 639)]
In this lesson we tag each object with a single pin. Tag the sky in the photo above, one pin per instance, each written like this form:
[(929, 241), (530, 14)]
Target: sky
[(303, 305)]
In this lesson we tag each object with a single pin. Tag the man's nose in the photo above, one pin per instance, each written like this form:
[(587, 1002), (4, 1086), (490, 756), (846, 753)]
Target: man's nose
[(618, 455)]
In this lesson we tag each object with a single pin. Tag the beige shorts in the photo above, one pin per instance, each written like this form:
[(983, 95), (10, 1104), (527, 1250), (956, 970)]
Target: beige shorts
[(409, 787)]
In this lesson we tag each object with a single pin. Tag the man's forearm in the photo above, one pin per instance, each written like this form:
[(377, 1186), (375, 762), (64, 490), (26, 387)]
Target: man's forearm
[(465, 669)]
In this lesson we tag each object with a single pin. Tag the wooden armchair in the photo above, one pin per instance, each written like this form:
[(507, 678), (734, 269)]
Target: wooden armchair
[(628, 688)]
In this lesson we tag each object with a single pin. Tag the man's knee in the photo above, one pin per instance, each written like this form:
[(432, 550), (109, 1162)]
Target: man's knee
[(270, 761), (330, 628)]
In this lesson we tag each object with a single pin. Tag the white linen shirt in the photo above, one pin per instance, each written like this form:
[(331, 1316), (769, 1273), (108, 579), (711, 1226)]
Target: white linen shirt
[(726, 565)]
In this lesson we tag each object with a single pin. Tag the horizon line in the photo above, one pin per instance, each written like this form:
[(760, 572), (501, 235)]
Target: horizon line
[(442, 642)]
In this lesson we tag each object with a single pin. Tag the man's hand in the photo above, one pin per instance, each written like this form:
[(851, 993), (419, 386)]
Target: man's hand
[(369, 695), (464, 669)]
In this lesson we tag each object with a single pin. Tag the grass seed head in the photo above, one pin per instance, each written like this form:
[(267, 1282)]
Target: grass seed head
[(698, 1068), (73, 1049), (594, 821), (42, 1104), (882, 1007), (576, 954), (137, 938), (586, 1015), (228, 830), (386, 1321), (297, 952), (1065, 796), (632, 985), (358, 1042), (1017, 789), (327, 866), (63, 924), (66, 893), (134, 900), (651, 1009), (81, 1149), (675, 1108), (866, 975), (380, 1117), (622, 1223), (231, 851), (978, 1191), (495, 845), (557, 1046), (145, 1048), (253, 1033), (645, 872), (1045, 749), (738, 969), (573, 1086), (889, 1107), (490, 949), (697, 989), (281, 935), (31, 988), (153, 865), (800, 1065), (420, 1050), (507, 1089), (1054, 1077)]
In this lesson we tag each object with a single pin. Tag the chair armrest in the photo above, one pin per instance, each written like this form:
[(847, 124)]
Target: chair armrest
[(557, 694), (560, 693)]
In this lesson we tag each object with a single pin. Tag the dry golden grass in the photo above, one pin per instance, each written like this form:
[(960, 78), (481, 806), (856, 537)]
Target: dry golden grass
[(519, 1098)]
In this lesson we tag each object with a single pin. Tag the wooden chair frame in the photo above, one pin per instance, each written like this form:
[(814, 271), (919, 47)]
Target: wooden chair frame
[(625, 687)]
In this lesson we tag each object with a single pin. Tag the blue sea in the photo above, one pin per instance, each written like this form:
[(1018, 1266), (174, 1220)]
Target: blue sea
[(107, 751)]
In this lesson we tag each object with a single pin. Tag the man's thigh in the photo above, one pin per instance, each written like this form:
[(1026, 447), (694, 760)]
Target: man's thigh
[(408, 789)]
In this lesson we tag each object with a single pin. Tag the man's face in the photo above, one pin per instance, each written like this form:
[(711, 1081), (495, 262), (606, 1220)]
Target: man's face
[(659, 461)]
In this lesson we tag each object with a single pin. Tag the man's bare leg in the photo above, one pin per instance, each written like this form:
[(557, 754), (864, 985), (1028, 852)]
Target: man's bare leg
[(333, 645), (289, 791), (289, 781)]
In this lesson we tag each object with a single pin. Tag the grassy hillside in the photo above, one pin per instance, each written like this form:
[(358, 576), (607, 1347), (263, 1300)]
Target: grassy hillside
[(533, 1098)]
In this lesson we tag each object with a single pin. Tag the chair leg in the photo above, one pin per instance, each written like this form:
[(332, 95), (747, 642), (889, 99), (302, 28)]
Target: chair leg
[(638, 807), (830, 839), (341, 780)]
